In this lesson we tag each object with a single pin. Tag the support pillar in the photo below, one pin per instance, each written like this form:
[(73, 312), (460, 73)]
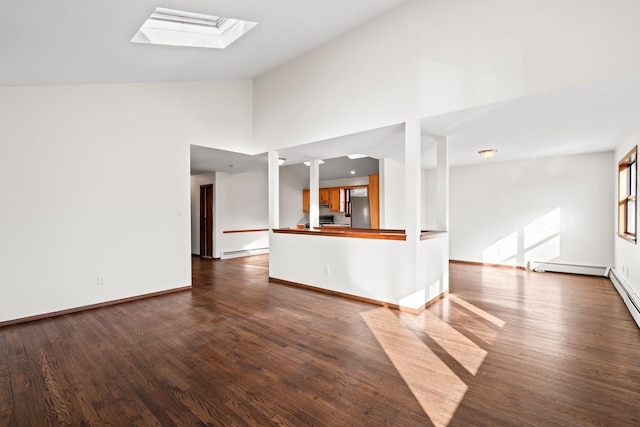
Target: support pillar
[(274, 190), (442, 181), (314, 193)]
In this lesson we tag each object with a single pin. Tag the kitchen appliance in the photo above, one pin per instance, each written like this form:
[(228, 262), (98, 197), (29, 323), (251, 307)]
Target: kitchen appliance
[(360, 211), (322, 220), (326, 219)]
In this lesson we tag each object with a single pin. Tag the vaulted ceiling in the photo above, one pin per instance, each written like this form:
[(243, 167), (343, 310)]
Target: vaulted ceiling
[(80, 41)]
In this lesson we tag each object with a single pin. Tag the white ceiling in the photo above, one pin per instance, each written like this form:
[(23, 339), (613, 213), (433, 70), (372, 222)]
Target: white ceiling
[(87, 41), (80, 41)]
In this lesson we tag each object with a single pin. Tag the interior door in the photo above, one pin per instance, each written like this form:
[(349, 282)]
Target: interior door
[(206, 220)]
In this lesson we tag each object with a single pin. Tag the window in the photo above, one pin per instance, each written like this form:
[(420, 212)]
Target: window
[(179, 28), (627, 192)]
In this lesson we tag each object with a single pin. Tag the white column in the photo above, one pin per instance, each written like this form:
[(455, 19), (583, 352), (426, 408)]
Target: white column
[(314, 196), (274, 190), (413, 178), (442, 179)]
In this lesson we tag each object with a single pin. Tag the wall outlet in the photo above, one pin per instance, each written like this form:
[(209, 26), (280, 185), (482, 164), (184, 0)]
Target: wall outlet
[(327, 270), (100, 280), (180, 212)]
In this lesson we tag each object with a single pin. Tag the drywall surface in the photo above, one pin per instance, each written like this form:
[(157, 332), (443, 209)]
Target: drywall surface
[(196, 182), (95, 182), (241, 202), (392, 203), (291, 186), (381, 270), (429, 200), (553, 209), (627, 254), (441, 56)]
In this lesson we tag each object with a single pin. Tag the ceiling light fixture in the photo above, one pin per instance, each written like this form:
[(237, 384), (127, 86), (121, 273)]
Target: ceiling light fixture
[(281, 161), (356, 156), (489, 153), (320, 162), (179, 28), (352, 172)]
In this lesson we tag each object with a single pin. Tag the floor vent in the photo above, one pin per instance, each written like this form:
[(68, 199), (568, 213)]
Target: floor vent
[(244, 252), (628, 295), (568, 268)]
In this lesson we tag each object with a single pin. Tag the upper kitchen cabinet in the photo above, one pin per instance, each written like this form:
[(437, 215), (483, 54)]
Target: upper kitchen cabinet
[(336, 199), (324, 195)]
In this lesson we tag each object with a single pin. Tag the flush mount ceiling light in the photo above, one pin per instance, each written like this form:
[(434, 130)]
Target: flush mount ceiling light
[(487, 154), (281, 161), (356, 156), (320, 162), (178, 28)]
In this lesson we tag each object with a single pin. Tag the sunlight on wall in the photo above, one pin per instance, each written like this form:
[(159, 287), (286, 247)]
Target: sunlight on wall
[(542, 238), (436, 387), (504, 251)]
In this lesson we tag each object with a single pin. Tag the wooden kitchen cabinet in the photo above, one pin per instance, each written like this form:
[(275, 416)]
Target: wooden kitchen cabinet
[(333, 197), (336, 197), (324, 195), (306, 200)]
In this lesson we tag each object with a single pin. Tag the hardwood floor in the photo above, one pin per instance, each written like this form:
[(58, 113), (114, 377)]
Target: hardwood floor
[(506, 347)]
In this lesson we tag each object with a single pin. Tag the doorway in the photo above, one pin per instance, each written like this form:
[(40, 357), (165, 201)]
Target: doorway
[(206, 220)]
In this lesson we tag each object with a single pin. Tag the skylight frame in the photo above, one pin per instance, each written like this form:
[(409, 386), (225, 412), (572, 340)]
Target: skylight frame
[(173, 27)]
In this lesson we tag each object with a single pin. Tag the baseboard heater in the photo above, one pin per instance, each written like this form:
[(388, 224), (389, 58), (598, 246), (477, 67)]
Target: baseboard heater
[(554, 267), (628, 295), (243, 253)]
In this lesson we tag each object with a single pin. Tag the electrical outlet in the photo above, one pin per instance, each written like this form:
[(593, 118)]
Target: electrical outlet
[(100, 280), (326, 269), (180, 212)]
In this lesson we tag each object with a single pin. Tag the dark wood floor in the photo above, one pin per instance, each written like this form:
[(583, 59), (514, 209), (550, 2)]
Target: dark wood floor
[(507, 347)]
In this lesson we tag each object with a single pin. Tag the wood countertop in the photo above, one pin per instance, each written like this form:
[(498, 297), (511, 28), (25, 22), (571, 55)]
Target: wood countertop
[(360, 233), (357, 233)]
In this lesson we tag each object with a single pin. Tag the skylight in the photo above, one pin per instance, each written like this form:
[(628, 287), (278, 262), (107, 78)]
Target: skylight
[(177, 28)]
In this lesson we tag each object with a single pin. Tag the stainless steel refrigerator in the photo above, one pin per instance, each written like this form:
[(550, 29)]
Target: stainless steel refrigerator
[(360, 213)]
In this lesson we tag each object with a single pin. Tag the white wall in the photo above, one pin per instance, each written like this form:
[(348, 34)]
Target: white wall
[(196, 182), (291, 186), (439, 56), (554, 209), (344, 182), (241, 202), (381, 270), (627, 254), (429, 205), (392, 203), (95, 181)]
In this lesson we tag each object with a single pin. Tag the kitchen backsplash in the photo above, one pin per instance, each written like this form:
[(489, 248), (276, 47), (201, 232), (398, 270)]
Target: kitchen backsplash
[(338, 217)]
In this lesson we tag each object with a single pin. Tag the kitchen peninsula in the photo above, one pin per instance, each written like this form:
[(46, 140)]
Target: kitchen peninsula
[(373, 265), (405, 268)]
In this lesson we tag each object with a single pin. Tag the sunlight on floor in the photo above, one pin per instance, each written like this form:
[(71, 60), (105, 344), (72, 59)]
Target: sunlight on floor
[(436, 387), (461, 348), (472, 308)]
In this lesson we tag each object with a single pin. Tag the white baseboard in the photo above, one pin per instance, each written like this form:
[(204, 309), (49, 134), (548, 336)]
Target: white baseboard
[(554, 267), (243, 253), (630, 298)]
